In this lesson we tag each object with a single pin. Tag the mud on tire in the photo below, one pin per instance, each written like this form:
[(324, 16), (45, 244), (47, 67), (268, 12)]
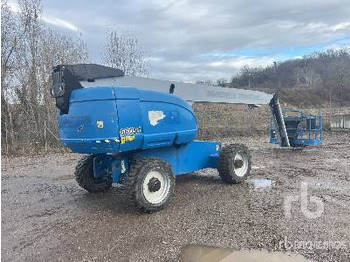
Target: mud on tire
[(234, 163), (150, 183), (85, 177)]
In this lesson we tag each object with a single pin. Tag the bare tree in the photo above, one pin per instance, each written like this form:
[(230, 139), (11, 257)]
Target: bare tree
[(221, 82), (206, 82), (57, 49), (29, 51), (10, 38), (124, 52)]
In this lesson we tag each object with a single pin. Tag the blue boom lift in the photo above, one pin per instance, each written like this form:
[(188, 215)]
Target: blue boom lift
[(293, 128), (139, 138)]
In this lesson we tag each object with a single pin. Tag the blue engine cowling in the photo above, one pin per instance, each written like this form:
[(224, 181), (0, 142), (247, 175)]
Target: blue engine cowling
[(104, 120)]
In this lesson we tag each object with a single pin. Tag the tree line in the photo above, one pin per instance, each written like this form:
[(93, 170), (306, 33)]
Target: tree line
[(29, 50), (326, 74)]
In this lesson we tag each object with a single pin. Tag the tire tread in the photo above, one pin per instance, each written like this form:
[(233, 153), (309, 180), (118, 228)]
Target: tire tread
[(137, 169), (84, 177), (225, 163)]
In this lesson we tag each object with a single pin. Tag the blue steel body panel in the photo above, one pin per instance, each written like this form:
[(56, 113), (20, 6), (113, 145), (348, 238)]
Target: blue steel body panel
[(114, 119), (79, 128), (308, 142), (301, 142), (273, 141), (183, 159), (186, 158)]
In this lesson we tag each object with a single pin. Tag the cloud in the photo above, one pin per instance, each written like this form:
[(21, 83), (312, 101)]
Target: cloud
[(49, 19), (191, 40), (341, 26), (60, 23), (190, 71)]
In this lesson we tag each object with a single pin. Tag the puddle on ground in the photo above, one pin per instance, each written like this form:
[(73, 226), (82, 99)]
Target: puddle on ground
[(207, 254), (262, 182), (258, 167)]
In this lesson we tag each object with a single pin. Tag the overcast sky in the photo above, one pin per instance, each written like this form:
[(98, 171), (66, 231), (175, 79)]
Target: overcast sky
[(207, 39)]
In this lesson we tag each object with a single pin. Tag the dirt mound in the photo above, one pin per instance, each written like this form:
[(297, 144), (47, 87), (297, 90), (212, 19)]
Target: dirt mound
[(228, 120)]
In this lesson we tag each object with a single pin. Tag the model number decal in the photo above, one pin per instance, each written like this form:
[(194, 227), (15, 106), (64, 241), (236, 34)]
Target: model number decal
[(130, 131)]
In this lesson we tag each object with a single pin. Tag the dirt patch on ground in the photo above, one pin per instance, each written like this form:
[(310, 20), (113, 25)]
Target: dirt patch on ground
[(46, 216)]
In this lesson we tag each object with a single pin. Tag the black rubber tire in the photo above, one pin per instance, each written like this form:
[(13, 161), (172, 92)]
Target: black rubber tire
[(135, 178), (226, 163), (85, 178)]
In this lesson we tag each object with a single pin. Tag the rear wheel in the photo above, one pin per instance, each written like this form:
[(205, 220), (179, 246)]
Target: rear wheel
[(151, 183), (234, 163), (84, 175)]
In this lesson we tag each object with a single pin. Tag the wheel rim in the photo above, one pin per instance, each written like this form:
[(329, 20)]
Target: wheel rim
[(240, 164), (155, 187)]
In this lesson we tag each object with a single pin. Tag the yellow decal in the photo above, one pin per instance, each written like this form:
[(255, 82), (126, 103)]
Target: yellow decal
[(125, 139), (99, 124)]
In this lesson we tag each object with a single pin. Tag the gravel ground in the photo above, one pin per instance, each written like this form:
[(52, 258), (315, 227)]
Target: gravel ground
[(46, 216)]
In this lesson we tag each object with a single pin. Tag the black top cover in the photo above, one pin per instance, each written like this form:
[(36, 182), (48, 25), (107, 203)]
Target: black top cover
[(89, 72), (66, 79)]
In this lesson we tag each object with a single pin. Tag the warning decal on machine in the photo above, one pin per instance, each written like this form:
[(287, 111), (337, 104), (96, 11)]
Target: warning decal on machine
[(155, 116)]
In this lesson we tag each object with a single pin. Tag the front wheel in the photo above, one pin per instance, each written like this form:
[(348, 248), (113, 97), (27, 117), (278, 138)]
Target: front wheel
[(151, 183), (234, 163)]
